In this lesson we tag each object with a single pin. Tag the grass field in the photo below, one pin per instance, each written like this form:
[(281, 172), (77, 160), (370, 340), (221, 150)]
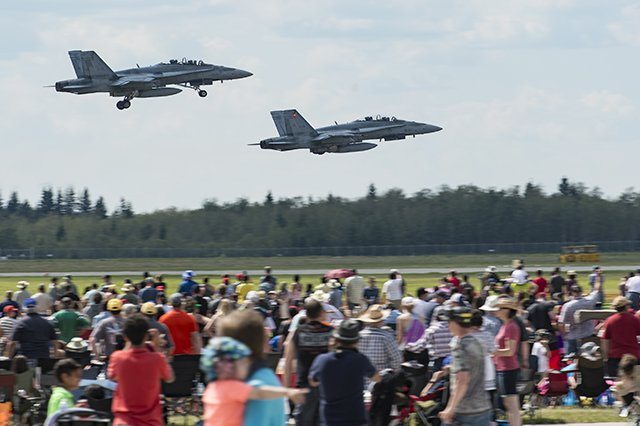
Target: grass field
[(449, 261), (574, 415)]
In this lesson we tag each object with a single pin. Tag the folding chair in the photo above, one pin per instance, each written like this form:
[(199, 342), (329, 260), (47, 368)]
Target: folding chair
[(180, 397)]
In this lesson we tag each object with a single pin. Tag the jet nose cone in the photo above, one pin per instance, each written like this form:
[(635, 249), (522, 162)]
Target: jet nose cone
[(429, 128), (241, 74)]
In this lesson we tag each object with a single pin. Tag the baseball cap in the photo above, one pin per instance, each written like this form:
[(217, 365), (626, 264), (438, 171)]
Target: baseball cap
[(8, 309), (149, 308), (114, 305), (188, 274), (29, 303), (175, 298)]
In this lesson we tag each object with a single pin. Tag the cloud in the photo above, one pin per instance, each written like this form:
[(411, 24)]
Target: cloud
[(626, 30), (608, 102)]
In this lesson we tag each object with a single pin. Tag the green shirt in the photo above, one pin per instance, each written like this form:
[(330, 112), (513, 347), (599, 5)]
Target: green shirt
[(69, 322), (60, 396)]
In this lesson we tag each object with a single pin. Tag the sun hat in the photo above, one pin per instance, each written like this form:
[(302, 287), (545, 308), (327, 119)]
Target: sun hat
[(490, 304), (569, 273), (507, 302), (77, 344), (149, 308), (333, 284), (490, 269), (114, 305), (218, 357), (127, 287), (22, 284), (374, 314), (620, 302), (323, 287), (320, 296), (349, 330)]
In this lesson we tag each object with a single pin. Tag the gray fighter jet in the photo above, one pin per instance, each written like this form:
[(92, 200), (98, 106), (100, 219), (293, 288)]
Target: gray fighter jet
[(142, 82), (296, 133)]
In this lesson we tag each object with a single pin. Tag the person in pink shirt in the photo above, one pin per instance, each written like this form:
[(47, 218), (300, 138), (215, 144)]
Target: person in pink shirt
[(225, 362), (506, 358)]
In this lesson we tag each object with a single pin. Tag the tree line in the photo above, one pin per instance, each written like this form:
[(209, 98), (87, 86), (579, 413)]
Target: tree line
[(466, 214)]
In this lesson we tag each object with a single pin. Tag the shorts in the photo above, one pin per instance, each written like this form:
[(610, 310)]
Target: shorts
[(507, 381)]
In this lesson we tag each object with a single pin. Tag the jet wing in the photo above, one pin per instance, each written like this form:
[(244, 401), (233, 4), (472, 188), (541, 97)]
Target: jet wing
[(133, 80), (335, 134), (378, 128)]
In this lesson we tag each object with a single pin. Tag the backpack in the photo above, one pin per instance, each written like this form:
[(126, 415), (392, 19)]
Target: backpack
[(415, 331)]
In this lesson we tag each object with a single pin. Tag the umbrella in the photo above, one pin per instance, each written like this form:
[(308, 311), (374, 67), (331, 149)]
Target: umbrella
[(339, 273)]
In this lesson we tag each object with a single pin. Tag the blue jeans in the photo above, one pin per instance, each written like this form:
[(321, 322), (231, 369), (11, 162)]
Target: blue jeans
[(482, 419), (634, 298), (572, 346)]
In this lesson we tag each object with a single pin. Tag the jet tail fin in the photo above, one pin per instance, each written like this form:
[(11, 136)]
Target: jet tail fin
[(88, 64), (290, 123)]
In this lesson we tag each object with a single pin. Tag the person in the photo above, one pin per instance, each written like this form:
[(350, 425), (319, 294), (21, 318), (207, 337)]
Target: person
[(340, 377), (519, 276), (572, 279), (567, 322), (376, 344), (633, 290), (188, 285), (9, 320), (626, 387), (420, 303), (183, 328), (541, 316), (596, 283), (24, 375), (94, 307), (355, 286), (90, 293), (44, 302), (268, 280), (540, 282), (243, 289), (22, 294), (9, 301), (148, 293), (371, 294), (68, 321), (409, 326), (556, 282), (434, 302), (620, 335), (453, 279), (309, 340), (69, 373), (107, 334), (392, 291), (247, 327), (436, 339), (149, 310), (225, 307), (54, 291), (335, 294), (138, 370), (506, 358), (34, 335), (469, 402), (226, 363), (127, 295)]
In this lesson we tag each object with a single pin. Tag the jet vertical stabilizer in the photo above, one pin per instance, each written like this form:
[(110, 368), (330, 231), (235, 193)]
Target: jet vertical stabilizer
[(291, 123), (88, 64)]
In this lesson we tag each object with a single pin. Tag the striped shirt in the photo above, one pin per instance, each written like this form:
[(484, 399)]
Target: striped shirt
[(436, 339), (7, 325)]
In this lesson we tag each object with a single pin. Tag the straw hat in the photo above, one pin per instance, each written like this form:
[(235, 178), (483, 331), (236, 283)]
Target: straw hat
[(374, 314), (490, 269), (22, 284), (127, 287), (77, 344), (320, 296), (507, 302), (490, 304), (620, 302), (333, 284)]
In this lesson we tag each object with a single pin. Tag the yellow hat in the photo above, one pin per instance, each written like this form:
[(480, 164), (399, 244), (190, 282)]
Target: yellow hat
[(148, 308), (114, 305)]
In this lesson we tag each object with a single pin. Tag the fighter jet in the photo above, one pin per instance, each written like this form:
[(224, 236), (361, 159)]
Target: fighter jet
[(296, 133), (142, 82)]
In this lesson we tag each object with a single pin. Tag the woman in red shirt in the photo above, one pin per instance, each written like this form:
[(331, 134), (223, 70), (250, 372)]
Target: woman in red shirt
[(506, 358)]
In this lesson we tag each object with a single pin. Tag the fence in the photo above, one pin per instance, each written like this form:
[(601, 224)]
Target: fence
[(379, 250)]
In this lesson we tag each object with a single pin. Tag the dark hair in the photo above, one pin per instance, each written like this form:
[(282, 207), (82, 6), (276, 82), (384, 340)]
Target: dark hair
[(296, 278), (19, 364), (97, 298), (313, 308), (94, 392), (246, 326), (293, 311), (392, 276), (65, 366), (136, 328), (512, 313)]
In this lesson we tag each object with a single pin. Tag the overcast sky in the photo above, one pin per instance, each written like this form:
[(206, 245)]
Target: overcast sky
[(525, 91)]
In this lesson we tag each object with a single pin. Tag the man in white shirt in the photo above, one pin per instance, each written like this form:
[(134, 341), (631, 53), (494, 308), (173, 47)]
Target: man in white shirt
[(633, 289), (355, 289), (420, 304), (392, 291), (44, 302), (519, 276)]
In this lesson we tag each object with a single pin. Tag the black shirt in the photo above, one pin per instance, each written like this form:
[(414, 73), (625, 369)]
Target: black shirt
[(34, 334), (556, 284), (311, 339)]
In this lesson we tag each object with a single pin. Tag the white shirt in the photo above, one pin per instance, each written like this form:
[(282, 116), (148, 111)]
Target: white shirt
[(419, 308), (44, 302), (519, 276), (355, 288), (393, 289), (540, 351), (633, 284)]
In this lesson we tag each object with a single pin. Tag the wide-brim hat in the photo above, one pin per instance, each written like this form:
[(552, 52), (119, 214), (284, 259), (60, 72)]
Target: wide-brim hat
[(571, 273), (620, 302), (22, 284), (374, 314), (320, 296), (127, 287), (490, 304), (490, 269), (508, 303), (77, 344), (348, 331)]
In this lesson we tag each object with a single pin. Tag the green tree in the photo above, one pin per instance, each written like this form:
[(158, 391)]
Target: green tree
[(46, 205), (100, 208), (85, 205), (13, 204)]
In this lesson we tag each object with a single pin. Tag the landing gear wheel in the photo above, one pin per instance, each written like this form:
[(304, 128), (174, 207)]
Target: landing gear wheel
[(202, 93), (126, 104), (120, 105)]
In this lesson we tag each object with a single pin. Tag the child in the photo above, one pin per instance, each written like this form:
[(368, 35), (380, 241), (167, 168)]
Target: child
[(226, 364), (626, 387), (69, 373)]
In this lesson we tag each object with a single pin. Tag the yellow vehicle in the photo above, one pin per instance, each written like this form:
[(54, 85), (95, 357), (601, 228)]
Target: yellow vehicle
[(587, 253)]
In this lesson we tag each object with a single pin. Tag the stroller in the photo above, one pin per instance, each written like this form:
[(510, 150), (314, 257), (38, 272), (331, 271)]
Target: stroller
[(423, 410), (79, 417)]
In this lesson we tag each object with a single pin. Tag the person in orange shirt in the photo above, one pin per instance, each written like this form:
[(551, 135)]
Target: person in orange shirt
[(183, 328), (225, 362)]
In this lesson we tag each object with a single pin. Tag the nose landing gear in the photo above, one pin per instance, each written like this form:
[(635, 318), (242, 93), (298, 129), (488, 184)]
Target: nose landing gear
[(202, 93), (123, 104)]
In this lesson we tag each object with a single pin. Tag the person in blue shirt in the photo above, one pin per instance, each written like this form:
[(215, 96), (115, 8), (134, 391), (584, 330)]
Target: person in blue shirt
[(188, 286), (247, 326)]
